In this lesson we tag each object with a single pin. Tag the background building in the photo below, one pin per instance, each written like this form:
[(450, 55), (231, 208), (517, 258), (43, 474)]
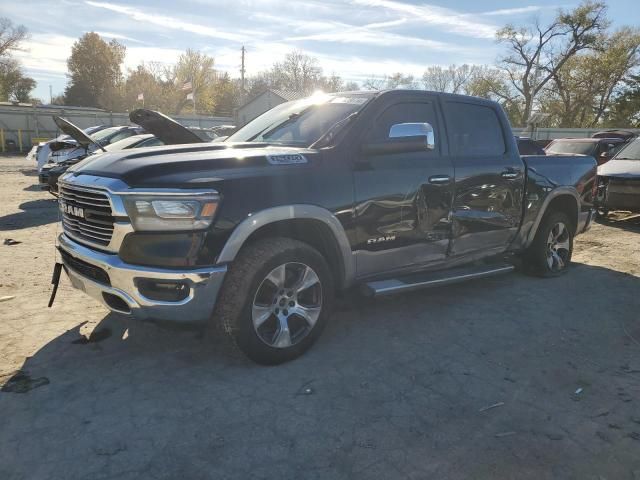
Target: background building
[(263, 102)]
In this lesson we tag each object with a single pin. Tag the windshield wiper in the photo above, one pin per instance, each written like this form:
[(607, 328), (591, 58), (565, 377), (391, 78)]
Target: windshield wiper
[(290, 119), (328, 135)]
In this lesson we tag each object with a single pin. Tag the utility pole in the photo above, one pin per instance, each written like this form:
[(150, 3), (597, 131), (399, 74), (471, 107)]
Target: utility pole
[(242, 75), (50, 95)]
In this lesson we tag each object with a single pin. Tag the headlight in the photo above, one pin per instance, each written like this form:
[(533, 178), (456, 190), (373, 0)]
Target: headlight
[(162, 213)]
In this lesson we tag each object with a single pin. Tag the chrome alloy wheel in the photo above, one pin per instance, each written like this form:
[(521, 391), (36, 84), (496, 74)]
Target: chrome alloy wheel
[(558, 245), (287, 305)]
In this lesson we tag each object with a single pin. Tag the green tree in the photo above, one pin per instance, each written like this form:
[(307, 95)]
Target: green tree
[(95, 75), (155, 83), (625, 109), (581, 92), (14, 85), (227, 95), (197, 68)]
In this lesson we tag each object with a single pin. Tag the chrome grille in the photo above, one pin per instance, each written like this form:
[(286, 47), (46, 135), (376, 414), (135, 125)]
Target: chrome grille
[(86, 214)]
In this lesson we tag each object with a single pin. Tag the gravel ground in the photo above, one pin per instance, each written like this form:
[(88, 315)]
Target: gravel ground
[(512, 377)]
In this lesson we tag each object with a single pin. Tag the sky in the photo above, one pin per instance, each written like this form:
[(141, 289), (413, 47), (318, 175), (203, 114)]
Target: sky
[(356, 39)]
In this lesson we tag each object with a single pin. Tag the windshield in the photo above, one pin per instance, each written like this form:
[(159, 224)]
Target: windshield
[(103, 134), (301, 122), (124, 143), (580, 148), (630, 152)]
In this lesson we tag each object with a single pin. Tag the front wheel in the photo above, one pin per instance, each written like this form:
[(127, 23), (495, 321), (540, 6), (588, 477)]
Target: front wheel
[(550, 253), (276, 299)]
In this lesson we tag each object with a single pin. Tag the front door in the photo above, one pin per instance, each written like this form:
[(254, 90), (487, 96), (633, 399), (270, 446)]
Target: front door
[(403, 200)]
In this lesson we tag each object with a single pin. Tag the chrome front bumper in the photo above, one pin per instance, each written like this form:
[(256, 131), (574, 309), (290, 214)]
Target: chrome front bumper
[(204, 285)]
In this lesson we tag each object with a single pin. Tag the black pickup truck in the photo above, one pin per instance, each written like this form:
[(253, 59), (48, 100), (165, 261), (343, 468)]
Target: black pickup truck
[(380, 191)]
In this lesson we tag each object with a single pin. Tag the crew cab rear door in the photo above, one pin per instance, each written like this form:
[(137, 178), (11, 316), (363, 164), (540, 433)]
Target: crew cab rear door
[(487, 204), (402, 199)]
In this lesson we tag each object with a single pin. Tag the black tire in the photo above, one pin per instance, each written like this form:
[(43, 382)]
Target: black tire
[(246, 279), (539, 259)]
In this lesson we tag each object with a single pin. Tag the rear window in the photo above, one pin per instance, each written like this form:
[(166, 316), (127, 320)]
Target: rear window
[(579, 148), (475, 130)]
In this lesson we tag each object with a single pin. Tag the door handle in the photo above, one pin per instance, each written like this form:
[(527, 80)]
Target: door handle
[(439, 179), (511, 173)]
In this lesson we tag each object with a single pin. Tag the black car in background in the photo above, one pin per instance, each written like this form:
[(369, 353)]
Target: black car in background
[(528, 146)]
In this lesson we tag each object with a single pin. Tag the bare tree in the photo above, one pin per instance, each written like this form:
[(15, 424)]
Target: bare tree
[(389, 82), (14, 85), (451, 79), (11, 36), (537, 53), (297, 72)]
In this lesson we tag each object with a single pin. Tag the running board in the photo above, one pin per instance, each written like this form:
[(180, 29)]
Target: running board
[(438, 278)]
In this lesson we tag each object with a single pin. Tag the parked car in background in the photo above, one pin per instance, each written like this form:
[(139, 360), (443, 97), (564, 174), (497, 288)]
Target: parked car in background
[(619, 181), (528, 146), (625, 135), (223, 131), (165, 131), (390, 191), (102, 138), (41, 152), (602, 149), (52, 171)]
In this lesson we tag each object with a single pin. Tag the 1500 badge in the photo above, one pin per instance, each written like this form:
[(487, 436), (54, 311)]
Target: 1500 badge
[(286, 159), (71, 210)]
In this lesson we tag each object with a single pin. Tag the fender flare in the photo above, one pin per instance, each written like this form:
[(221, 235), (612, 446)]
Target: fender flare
[(555, 193), (262, 218)]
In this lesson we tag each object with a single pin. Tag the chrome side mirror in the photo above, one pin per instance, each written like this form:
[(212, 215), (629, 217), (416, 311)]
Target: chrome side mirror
[(400, 130)]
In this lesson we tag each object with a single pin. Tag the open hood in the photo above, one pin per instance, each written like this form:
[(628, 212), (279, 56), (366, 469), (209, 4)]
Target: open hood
[(76, 133), (163, 127)]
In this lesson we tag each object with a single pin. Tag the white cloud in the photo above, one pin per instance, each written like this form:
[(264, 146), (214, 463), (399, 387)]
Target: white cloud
[(369, 37), (118, 36), (446, 18), (514, 11), (46, 52), (172, 23), (138, 55)]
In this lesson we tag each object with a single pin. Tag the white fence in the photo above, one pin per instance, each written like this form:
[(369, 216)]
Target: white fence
[(22, 126), (551, 133)]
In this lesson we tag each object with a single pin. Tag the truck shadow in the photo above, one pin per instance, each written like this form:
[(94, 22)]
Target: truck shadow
[(138, 391), (34, 214)]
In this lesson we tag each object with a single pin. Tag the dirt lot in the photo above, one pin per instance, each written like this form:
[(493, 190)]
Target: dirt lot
[(395, 388)]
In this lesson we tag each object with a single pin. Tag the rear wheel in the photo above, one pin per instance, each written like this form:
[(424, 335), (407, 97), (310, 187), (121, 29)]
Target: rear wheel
[(276, 299), (550, 253)]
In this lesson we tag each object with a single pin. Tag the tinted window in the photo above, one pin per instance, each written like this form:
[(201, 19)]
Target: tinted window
[(475, 130), (404, 113), (529, 147)]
